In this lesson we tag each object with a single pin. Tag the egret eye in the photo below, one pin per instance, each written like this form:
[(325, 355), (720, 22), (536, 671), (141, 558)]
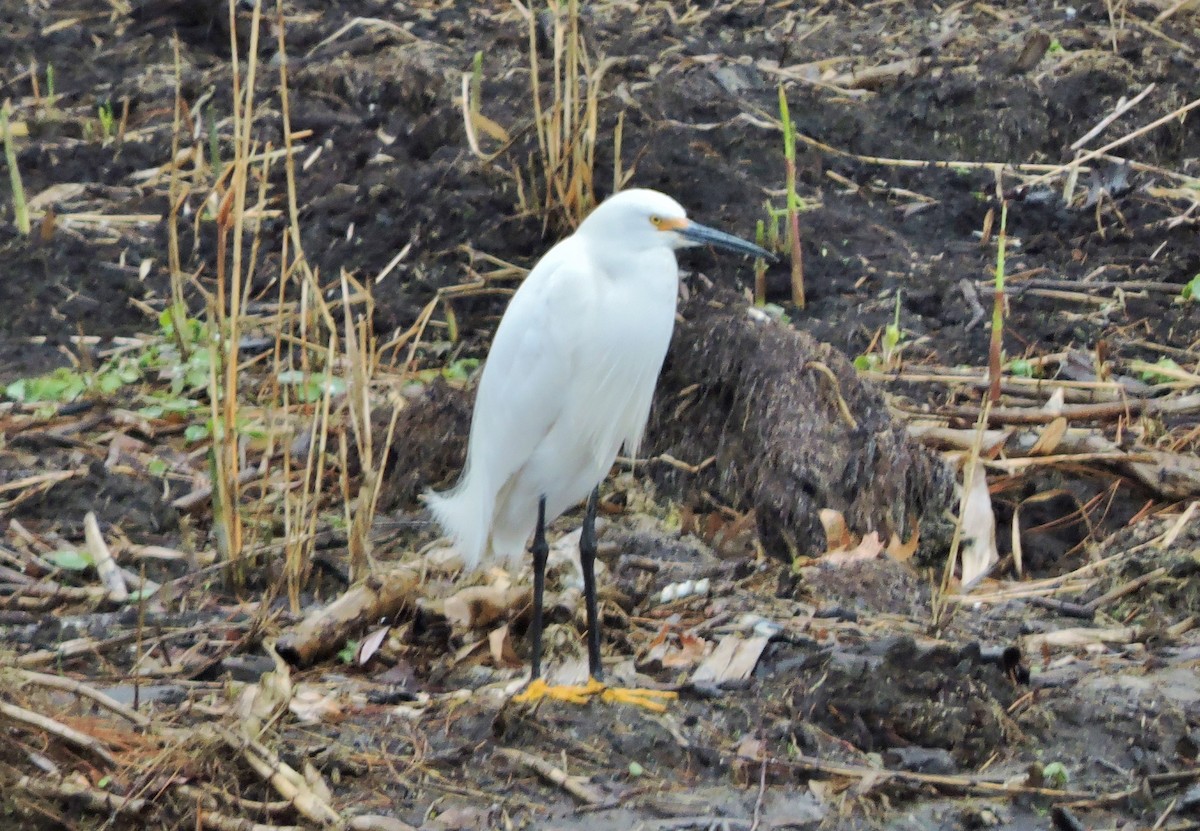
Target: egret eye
[(656, 221)]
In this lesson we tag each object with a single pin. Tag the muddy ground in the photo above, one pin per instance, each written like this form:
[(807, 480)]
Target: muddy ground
[(863, 710)]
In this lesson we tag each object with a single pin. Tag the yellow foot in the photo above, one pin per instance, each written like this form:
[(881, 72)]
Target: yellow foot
[(652, 700), (572, 694)]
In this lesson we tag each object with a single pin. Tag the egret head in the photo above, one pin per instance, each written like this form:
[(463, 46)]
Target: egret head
[(641, 220)]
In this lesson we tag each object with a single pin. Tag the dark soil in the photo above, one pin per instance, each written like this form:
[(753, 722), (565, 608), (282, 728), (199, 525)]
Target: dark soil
[(858, 674)]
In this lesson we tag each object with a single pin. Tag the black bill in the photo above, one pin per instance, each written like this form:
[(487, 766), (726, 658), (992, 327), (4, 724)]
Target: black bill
[(699, 234)]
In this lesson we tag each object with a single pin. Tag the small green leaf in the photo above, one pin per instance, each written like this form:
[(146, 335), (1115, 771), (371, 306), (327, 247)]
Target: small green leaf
[(157, 467), (347, 652), (109, 382), (866, 363), (1191, 289), (891, 337), (1055, 775), (1021, 368), (635, 769), (461, 369), (1152, 377), (17, 390), (196, 432), (70, 559)]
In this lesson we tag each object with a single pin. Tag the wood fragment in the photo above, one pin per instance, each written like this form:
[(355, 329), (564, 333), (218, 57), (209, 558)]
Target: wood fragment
[(95, 799), (37, 721), (102, 558), (324, 631), (286, 781), (574, 785), (60, 682), (1126, 588), (733, 660)]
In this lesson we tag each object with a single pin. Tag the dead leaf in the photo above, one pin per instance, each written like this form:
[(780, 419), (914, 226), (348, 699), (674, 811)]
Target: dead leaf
[(55, 193), (1052, 434), (1056, 402), (444, 559), (490, 127), (868, 549), (500, 645), (903, 551), (312, 705), (752, 748), (689, 652), (837, 535), (123, 449), (370, 645), (978, 553), (1017, 551), (459, 819)]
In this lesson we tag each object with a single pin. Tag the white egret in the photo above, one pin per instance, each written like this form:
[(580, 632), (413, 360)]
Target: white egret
[(568, 382)]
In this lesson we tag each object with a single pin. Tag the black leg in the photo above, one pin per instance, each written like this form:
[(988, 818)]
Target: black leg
[(541, 552), (587, 561)]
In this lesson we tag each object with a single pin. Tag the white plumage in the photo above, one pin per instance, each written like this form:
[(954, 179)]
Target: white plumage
[(571, 372)]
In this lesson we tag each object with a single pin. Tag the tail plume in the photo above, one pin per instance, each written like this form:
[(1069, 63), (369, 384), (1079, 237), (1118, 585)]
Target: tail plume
[(465, 514)]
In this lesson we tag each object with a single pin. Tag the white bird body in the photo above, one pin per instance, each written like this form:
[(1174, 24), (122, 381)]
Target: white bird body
[(568, 380)]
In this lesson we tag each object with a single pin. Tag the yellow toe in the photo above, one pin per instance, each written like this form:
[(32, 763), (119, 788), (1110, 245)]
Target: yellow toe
[(572, 694), (652, 700)]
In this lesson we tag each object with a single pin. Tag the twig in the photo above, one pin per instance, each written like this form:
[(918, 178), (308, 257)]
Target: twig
[(1092, 154), (1122, 107), (1169, 539), (571, 784), (1126, 588), (1174, 7), (762, 792), (94, 798), (707, 821), (975, 784), (286, 781), (1063, 607), (843, 408), (69, 735), (59, 682), (972, 298)]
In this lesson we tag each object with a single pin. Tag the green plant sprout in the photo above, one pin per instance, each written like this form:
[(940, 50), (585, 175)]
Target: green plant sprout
[(892, 334), (1191, 290), (214, 144), (997, 344), (107, 120), (162, 358), (890, 346), (20, 206), (760, 267), (1021, 368), (1055, 775), (793, 200), (50, 96)]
